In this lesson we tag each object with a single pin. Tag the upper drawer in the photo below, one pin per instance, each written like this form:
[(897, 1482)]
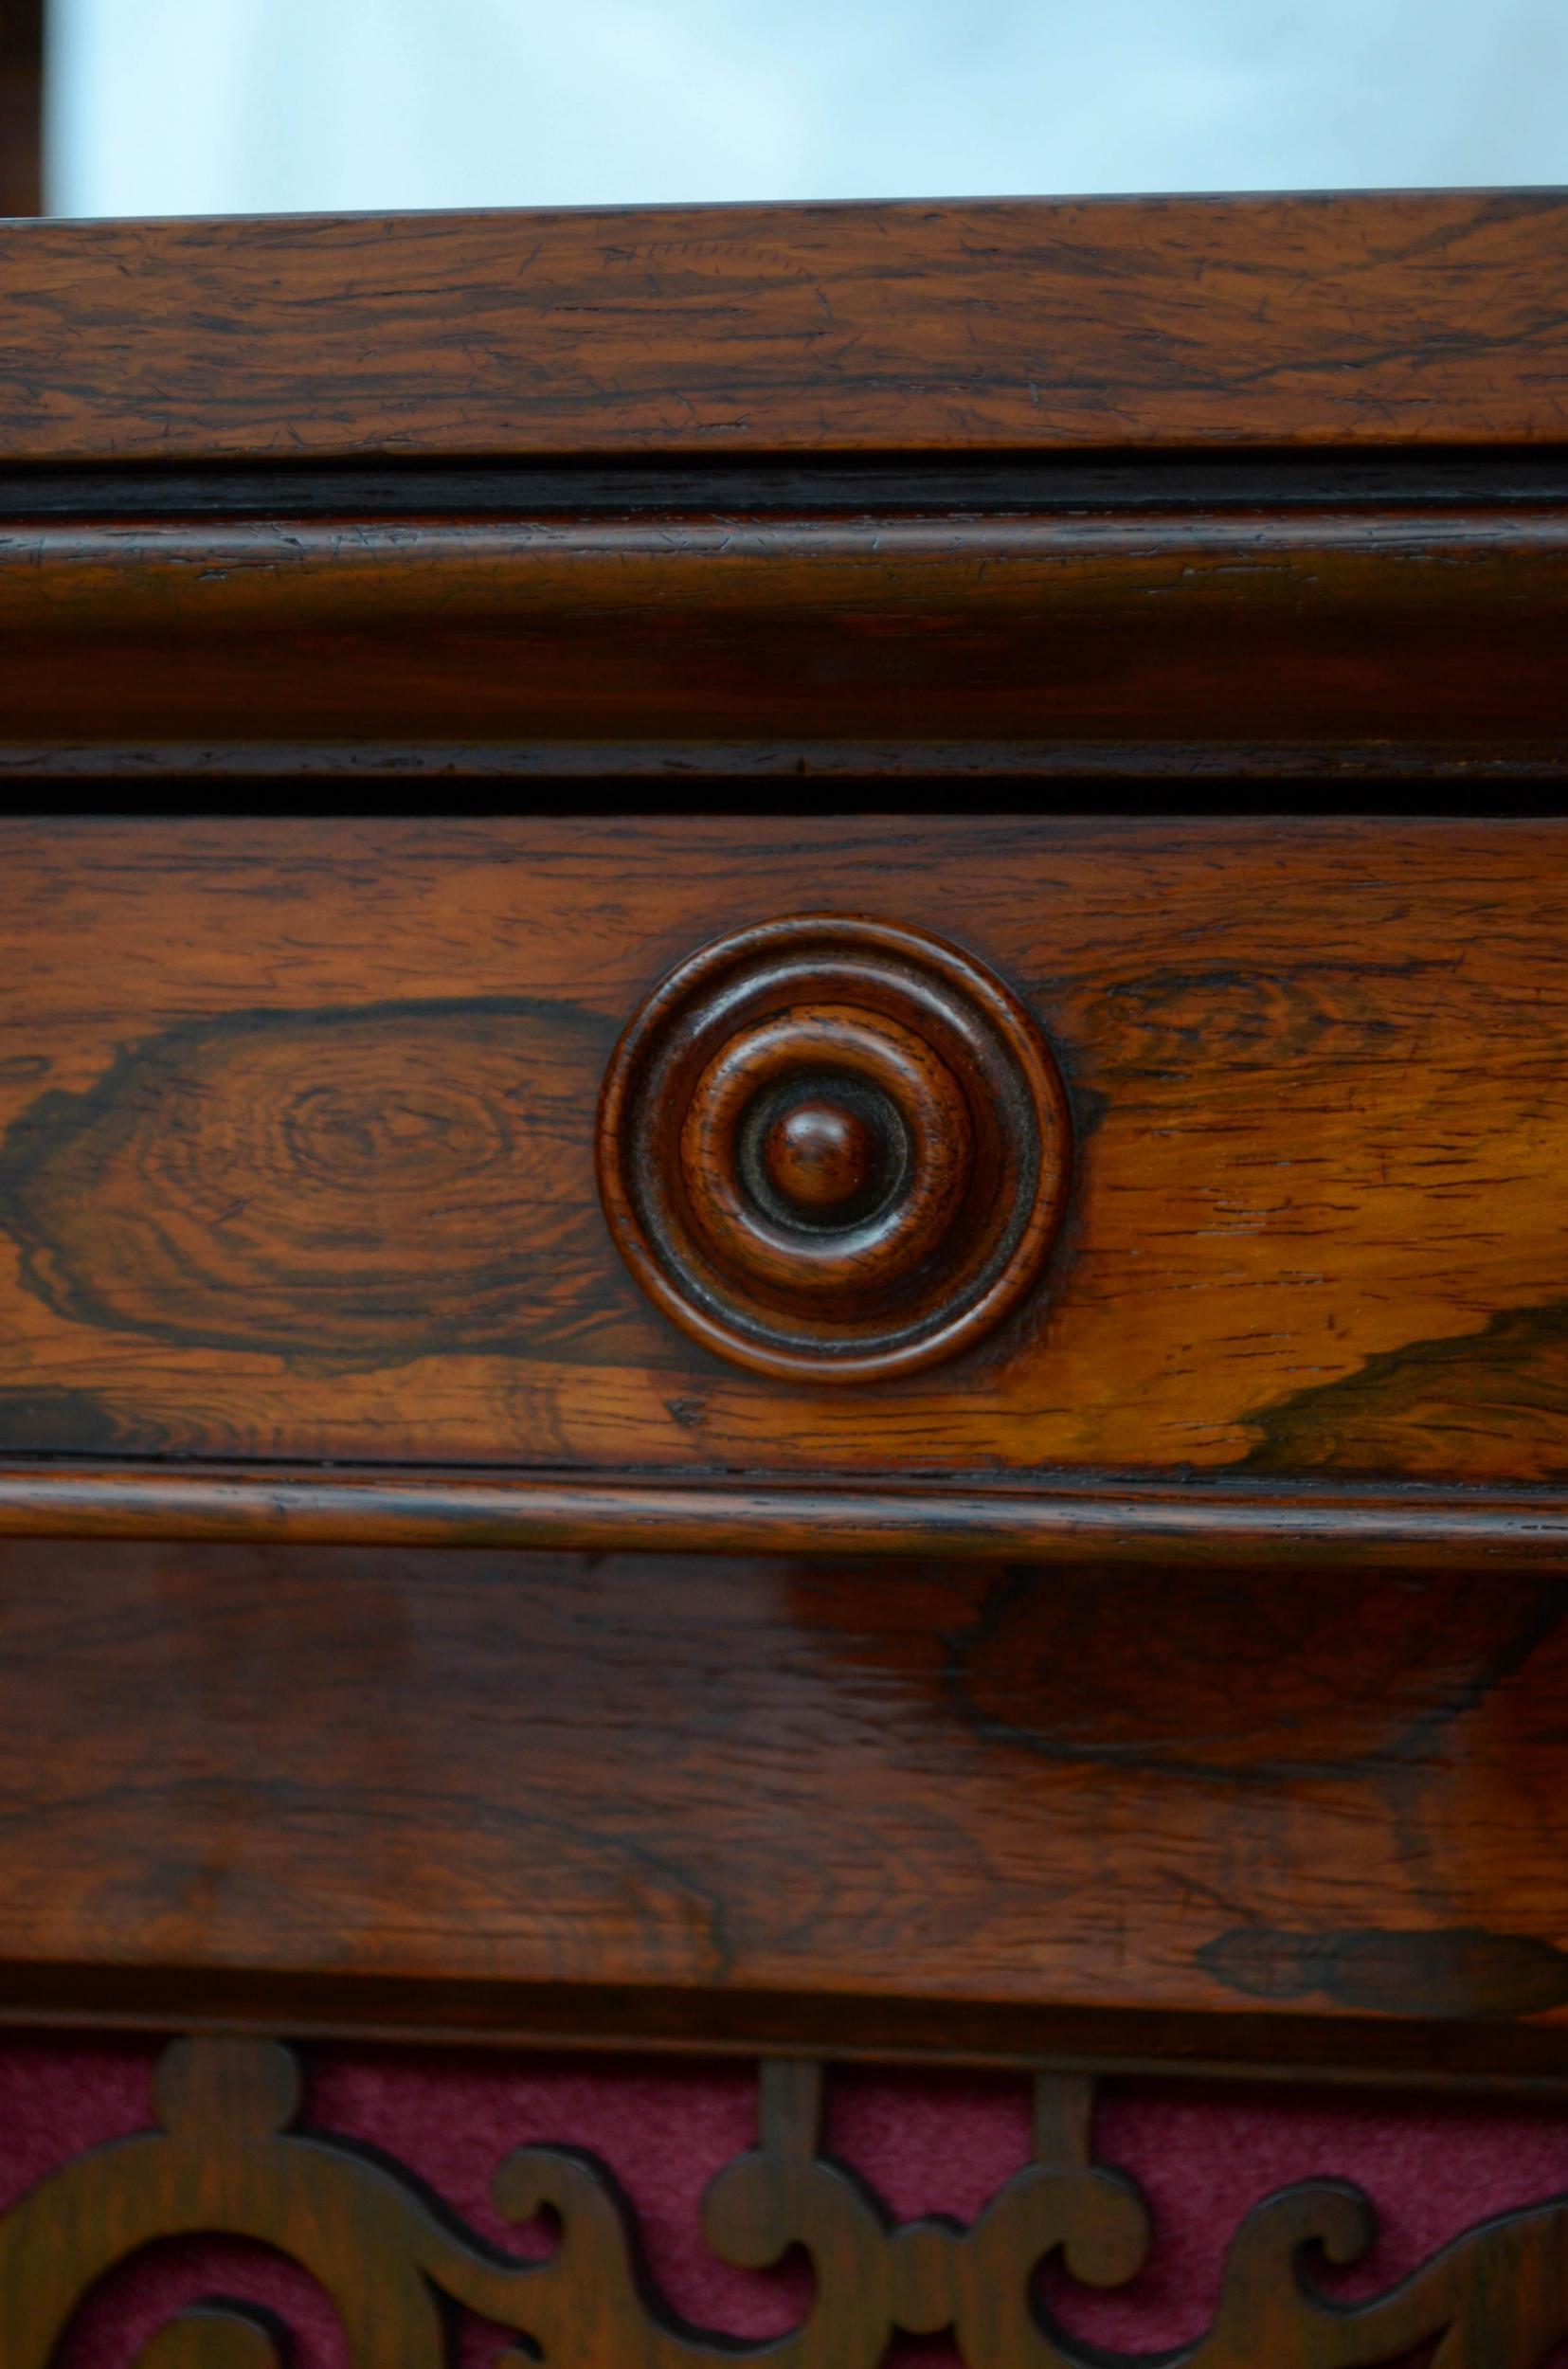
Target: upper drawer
[(1215, 1143)]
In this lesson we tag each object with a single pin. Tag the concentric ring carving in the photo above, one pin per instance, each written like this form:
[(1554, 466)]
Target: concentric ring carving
[(833, 1149)]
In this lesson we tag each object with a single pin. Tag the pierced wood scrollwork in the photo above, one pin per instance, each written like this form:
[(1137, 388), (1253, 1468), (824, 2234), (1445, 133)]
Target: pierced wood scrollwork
[(227, 2160)]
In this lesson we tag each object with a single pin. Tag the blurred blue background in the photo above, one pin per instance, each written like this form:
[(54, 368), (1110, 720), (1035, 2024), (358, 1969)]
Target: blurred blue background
[(160, 106)]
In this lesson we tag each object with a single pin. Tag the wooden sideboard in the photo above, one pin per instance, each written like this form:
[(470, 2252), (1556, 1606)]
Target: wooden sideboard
[(783, 1097)]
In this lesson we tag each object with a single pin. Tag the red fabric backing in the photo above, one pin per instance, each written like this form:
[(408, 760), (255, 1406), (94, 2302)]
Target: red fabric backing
[(928, 2142)]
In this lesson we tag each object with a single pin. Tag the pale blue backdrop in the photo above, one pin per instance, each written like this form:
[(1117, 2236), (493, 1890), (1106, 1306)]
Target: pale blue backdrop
[(238, 105)]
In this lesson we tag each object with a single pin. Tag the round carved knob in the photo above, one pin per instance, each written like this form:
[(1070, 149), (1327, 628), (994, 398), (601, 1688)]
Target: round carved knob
[(821, 1153), (833, 1149)]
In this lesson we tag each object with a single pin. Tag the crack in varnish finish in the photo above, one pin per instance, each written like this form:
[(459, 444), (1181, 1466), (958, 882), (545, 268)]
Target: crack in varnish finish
[(227, 2162)]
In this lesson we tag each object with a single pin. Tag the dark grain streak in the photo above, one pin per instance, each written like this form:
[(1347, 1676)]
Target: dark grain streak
[(1513, 1369), (1463, 1975)]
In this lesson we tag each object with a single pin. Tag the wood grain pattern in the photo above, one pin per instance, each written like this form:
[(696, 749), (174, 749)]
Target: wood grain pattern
[(1173, 1527), (1154, 322), (262, 1080), (276, 1136), (1030, 624), (227, 2155), (910, 1050), (296, 1167), (791, 1803)]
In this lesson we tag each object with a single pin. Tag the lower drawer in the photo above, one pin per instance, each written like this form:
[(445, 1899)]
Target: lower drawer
[(1215, 1146), (765, 1802)]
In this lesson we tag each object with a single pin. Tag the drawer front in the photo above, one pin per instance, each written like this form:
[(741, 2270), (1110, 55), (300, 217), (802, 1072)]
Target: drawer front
[(784, 1802), (298, 1155)]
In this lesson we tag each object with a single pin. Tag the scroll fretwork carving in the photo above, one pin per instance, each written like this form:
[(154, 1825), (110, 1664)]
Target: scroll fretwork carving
[(226, 2158)]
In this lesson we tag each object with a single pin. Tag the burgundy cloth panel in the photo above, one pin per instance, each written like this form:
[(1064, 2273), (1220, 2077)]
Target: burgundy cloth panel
[(928, 2143)]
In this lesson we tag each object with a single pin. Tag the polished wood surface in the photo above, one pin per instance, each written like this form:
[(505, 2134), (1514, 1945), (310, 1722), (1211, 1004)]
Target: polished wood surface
[(800, 1802), (878, 1036), (299, 1162), (1383, 320), (227, 2154), (1172, 1674), (1110, 1519), (1030, 620)]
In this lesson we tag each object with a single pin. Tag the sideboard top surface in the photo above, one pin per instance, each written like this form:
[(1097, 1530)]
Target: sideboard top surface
[(1181, 323)]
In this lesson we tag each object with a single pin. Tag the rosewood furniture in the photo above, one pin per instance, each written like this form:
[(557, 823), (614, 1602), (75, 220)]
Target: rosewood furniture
[(21, 106), (783, 1096)]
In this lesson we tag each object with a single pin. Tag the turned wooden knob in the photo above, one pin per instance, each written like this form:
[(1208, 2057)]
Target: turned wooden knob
[(821, 1155), (833, 1149)]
